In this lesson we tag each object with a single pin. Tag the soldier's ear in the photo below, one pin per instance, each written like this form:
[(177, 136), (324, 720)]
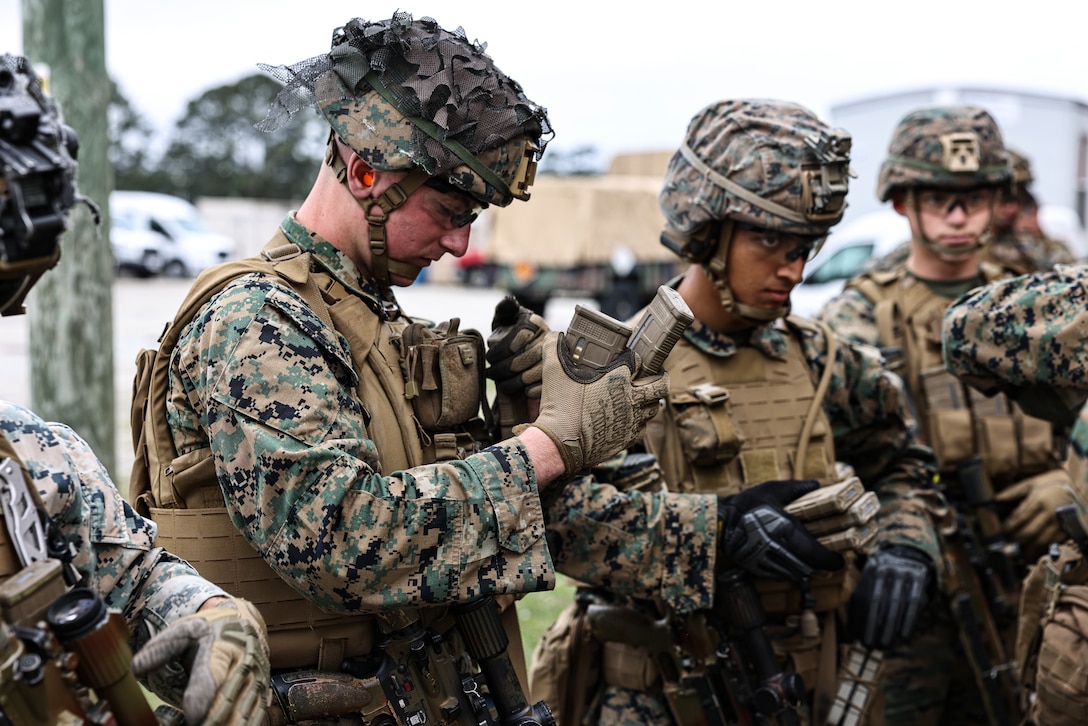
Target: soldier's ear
[(360, 176), (899, 202)]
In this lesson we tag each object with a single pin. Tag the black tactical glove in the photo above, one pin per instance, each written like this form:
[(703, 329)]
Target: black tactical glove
[(890, 596), (759, 536), (515, 349)]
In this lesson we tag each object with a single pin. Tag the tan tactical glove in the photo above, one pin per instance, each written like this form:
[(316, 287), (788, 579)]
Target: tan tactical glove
[(225, 649), (1033, 523), (590, 413)]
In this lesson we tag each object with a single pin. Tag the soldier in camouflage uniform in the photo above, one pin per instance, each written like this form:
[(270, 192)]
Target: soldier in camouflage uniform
[(761, 407), (944, 169), (1015, 249), (51, 481), (323, 438), (1024, 337)]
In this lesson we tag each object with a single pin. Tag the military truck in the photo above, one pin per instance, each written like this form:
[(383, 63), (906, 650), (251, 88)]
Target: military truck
[(580, 236)]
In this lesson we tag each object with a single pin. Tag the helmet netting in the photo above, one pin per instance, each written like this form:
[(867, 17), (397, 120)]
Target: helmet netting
[(404, 93)]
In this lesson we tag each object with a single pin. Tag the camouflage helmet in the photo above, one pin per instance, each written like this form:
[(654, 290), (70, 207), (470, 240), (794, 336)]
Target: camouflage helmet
[(944, 146), (768, 163), (1021, 168), (406, 94)]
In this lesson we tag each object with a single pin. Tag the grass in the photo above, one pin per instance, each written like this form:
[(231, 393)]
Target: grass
[(538, 610)]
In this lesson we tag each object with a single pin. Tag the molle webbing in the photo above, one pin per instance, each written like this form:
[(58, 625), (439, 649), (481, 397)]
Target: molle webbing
[(299, 634), (757, 419), (957, 420)]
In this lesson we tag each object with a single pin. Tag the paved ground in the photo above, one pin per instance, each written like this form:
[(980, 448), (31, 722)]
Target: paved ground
[(141, 307)]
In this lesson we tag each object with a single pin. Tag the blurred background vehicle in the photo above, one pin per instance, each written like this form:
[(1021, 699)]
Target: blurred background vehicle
[(591, 237), (153, 234)]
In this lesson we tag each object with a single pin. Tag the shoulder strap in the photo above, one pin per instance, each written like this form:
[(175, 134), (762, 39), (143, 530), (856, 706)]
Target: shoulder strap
[(152, 439), (821, 387), (877, 287)]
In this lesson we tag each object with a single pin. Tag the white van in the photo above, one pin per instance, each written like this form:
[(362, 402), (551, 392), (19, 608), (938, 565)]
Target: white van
[(153, 234), (844, 255)]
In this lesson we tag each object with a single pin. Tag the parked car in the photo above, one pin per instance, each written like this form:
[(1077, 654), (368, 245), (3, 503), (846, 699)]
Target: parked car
[(845, 255), (152, 234)]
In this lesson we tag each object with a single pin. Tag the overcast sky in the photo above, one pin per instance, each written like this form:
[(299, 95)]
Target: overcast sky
[(613, 75)]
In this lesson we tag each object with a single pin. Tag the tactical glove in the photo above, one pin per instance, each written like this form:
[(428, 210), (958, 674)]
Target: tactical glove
[(225, 649), (515, 349), (761, 537), (594, 413), (890, 597), (1033, 524)]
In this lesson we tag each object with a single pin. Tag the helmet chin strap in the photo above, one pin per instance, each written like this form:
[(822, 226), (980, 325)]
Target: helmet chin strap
[(716, 268), (934, 246), (381, 264)]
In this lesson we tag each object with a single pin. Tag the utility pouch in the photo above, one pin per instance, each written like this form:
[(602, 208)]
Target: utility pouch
[(567, 665), (1052, 637), (829, 590), (705, 425), (949, 421), (443, 374)]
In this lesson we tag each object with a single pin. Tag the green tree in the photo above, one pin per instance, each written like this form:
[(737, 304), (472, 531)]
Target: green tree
[(216, 151), (134, 164)]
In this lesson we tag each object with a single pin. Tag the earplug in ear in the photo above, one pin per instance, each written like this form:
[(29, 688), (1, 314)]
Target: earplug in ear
[(368, 178)]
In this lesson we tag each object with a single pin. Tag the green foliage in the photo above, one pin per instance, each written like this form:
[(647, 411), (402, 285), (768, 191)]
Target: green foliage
[(214, 150), (537, 611)]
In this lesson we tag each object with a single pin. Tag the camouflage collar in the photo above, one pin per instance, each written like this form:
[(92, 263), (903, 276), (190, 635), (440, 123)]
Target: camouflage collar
[(336, 263), (768, 339)]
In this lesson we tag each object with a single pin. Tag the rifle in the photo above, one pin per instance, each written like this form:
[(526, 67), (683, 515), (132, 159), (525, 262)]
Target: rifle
[(57, 647), (1002, 563), (416, 678), (975, 591), (684, 654), (772, 693), (1072, 523), (710, 679)]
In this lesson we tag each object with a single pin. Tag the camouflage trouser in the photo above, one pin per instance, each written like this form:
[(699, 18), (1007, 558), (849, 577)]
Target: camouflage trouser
[(930, 682), (617, 706)]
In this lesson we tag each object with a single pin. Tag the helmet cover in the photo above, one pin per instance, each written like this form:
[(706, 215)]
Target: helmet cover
[(405, 93), (951, 147), (1021, 168), (767, 163)]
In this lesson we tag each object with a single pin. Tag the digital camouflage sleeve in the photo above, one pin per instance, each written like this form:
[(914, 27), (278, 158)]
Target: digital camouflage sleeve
[(1021, 332), (302, 480), (647, 545), (852, 316), (1028, 336), (115, 552)]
